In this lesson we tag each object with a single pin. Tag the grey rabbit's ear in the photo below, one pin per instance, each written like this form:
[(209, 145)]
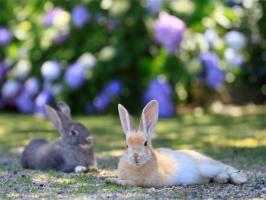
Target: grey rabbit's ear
[(54, 117), (126, 120), (149, 118), (64, 108)]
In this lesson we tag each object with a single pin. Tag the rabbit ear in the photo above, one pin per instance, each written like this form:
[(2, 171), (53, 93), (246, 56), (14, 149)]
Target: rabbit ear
[(149, 118), (64, 108), (126, 120), (54, 117)]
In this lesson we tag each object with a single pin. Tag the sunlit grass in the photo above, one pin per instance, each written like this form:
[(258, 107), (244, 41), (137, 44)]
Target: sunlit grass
[(240, 141), (206, 133)]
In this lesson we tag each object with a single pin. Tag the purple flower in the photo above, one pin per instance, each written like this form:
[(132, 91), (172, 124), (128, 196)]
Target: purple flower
[(80, 16), (160, 90), (45, 97), (32, 86), (24, 102), (233, 58), (58, 18), (61, 38), (235, 40), (53, 88), (237, 61), (75, 76), (5, 36), (10, 89), (154, 6), (113, 89), (212, 75), (3, 70), (101, 102), (169, 32), (51, 70), (51, 16)]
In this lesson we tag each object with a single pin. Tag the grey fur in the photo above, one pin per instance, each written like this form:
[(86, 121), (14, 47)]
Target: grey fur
[(65, 153)]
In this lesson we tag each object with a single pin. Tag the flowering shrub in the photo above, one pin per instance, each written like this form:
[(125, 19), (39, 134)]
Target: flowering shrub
[(160, 90), (5, 36), (80, 16), (212, 74), (169, 32), (94, 54), (102, 101), (75, 76)]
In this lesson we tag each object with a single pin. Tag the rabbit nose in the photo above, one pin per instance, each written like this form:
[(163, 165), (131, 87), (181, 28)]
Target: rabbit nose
[(136, 156), (89, 139)]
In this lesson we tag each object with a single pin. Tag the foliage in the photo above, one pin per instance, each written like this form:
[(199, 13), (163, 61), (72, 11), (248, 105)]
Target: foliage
[(74, 50)]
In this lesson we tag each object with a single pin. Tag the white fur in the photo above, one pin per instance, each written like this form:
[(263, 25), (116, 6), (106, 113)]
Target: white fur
[(85, 146), (193, 168), (186, 170), (80, 169), (186, 166)]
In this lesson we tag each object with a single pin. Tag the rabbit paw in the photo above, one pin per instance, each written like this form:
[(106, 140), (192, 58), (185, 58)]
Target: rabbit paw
[(221, 178), (80, 169), (238, 177), (92, 169)]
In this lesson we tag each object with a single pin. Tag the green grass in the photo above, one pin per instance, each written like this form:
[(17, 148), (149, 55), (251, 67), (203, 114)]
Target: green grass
[(240, 141)]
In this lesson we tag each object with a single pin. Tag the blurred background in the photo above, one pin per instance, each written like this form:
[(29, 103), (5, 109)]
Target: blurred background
[(94, 54)]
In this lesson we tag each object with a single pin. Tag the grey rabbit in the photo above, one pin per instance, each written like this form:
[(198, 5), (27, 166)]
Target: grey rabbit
[(72, 152)]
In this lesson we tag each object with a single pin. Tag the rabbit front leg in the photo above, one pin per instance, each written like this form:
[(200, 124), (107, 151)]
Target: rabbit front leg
[(64, 167), (80, 169), (60, 164), (90, 168), (93, 167)]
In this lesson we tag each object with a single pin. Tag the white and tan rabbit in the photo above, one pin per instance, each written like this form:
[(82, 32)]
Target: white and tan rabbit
[(143, 166), (72, 152)]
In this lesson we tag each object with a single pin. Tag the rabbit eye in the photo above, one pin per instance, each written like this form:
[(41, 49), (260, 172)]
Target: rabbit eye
[(73, 132), (145, 144)]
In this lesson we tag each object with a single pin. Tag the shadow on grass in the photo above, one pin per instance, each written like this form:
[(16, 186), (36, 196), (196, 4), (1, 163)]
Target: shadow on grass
[(27, 184), (238, 141), (216, 135)]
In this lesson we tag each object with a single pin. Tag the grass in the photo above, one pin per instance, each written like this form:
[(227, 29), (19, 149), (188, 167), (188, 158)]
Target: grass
[(239, 141)]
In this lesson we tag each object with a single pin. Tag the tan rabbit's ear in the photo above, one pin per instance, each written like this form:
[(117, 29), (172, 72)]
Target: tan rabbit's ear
[(64, 108), (127, 121), (54, 117), (149, 118)]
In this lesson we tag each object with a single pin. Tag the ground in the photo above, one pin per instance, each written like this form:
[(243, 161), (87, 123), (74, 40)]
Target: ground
[(237, 137)]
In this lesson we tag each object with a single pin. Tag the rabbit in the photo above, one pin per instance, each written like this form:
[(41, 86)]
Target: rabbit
[(143, 166), (72, 152)]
